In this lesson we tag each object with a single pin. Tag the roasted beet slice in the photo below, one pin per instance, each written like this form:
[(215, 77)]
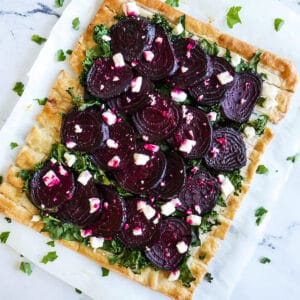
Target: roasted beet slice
[(113, 215), (106, 80), (199, 194), (174, 178), (172, 244), (193, 63), (117, 150), (140, 229), (227, 152), (85, 206), (134, 99), (193, 137), (159, 61), (157, 120), (51, 186), (132, 36), (241, 98), (146, 171), (211, 90), (83, 130)]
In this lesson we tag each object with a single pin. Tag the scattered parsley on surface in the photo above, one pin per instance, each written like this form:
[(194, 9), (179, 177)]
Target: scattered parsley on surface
[(1, 179), (78, 291), (60, 55), (26, 268), (69, 51), (59, 3), (50, 256), (51, 244), (105, 272), (294, 158), (261, 169), (174, 3), (19, 88), (278, 23), (41, 101), (76, 23), (38, 39), (260, 214), (4, 236), (208, 277), (8, 220), (13, 145), (232, 16), (265, 260)]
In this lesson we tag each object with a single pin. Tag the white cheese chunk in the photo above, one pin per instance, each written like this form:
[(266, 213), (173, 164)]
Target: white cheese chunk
[(70, 144), (249, 132), (94, 204), (168, 208), (235, 59), (106, 38), (148, 55), (140, 159), (184, 69), (86, 232), (112, 144), (147, 209), (114, 162), (178, 29), (119, 60), (109, 117), (50, 179), (77, 129), (227, 187), (182, 247), (193, 220), (137, 231), (174, 275), (136, 84), (35, 218), (178, 95), (84, 177), (96, 242), (212, 116), (131, 9), (187, 145), (70, 159), (224, 77)]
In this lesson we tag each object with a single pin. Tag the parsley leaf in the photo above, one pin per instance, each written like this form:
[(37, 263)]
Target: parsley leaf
[(19, 88), (278, 23), (227, 55), (186, 276), (260, 101), (105, 272), (8, 220), (259, 124), (208, 277), (76, 23), (38, 39), (174, 3), (209, 220), (59, 3), (4, 236), (1, 179), (69, 51), (232, 16), (260, 214), (51, 243), (13, 145), (78, 291), (294, 158), (161, 21), (60, 55), (209, 48), (252, 65), (221, 202), (26, 268), (50, 256), (41, 101), (265, 260), (261, 169)]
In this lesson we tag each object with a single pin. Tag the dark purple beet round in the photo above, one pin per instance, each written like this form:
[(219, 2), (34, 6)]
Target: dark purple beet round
[(193, 136), (51, 186), (113, 215), (142, 176), (227, 152), (160, 61), (138, 232), (200, 193), (164, 253), (105, 80), (117, 150), (210, 91), (241, 98), (157, 120), (193, 63), (131, 36), (83, 130), (174, 178), (85, 206), (132, 101)]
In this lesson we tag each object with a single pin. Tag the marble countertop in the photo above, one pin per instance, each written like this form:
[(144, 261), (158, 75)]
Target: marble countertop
[(278, 280)]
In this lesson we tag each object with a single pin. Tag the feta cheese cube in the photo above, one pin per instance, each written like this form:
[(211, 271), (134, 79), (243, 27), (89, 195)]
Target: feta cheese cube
[(194, 220), (84, 177), (109, 117), (137, 231), (131, 9), (224, 77), (147, 209), (86, 232), (148, 55), (187, 145), (114, 162), (96, 242), (70, 159), (136, 84), (227, 187), (249, 132), (112, 144), (174, 275), (50, 179), (35, 218), (212, 116), (140, 159), (182, 247), (94, 204), (70, 144), (178, 29), (119, 60), (77, 129), (106, 38), (178, 95)]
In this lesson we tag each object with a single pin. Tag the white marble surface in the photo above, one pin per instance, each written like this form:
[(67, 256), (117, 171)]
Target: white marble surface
[(277, 280)]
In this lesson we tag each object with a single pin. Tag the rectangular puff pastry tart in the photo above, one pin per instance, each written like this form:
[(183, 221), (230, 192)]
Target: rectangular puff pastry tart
[(141, 158)]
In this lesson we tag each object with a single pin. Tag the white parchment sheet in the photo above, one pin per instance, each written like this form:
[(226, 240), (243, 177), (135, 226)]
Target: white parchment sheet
[(257, 28)]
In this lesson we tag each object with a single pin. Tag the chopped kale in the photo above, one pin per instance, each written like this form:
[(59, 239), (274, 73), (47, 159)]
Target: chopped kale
[(232, 16), (260, 214), (209, 220), (262, 169), (38, 39), (76, 23), (49, 257), (174, 3), (105, 272), (236, 179), (209, 48), (186, 276), (19, 88), (26, 268)]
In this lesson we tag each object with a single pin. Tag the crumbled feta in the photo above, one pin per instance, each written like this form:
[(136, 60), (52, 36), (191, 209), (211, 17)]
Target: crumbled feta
[(35, 218), (227, 187), (148, 55), (94, 204), (235, 59), (109, 117), (114, 162), (62, 171), (184, 69), (137, 231), (224, 77), (119, 60), (174, 275), (178, 95), (182, 247), (178, 29), (212, 116), (249, 132), (84, 177), (159, 40), (131, 9), (187, 145), (77, 129), (136, 84), (115, 78), (106, 38), (147, 209), (168, 208), (70, 144), (112, 144), (193, 220), (140, 159), (50, 179), (96, 242), (70, 159), (270, 103), (53, 160), (151, 147), (86, 232)]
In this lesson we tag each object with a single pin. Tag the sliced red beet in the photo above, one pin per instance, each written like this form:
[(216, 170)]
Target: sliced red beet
[(241, 98), (193, 137), (174, 237), (174, 178), (157, 120), (83, 130), (131, 36), (132, 101), (139, 231), (210, 90), (145, 173), (85, 206), (106, 80), (113, 215), (117, 150), (159, 61), (193, 63), (51, 186), (227, 152), (199, 194)]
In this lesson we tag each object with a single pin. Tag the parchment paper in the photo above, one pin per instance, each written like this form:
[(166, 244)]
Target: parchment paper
[(237, 249)]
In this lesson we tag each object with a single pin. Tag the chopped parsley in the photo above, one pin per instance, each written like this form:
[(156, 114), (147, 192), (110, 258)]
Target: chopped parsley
[(76, 23), (25, 267), (278, 23), (227, 55), (4, 236), (209, 220), (209, 48), (41, 101), (103, 45), (78, 291), (161, 21), (38, 39), (265, 260), (260, 101), (59, 3), (60, 55), (182, 22), (105, 272), (69, 51), (13, 145), (294, 158), (232, 16), (262, 169), (1, 179), (208, 277), (236, 179), (8, 220), (174, 3), (221, 202), (186, 276), (259, 124), (260, 214), (19, 88), (251, 65), (49, 257), (51, 244)]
